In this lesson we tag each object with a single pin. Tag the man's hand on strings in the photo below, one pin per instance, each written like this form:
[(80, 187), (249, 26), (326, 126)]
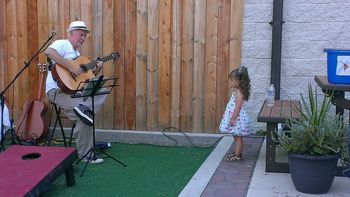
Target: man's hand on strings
[(99, 64), (98, 67)]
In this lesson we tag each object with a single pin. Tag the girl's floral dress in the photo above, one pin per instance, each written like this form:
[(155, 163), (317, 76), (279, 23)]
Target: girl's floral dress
[(243, 124)]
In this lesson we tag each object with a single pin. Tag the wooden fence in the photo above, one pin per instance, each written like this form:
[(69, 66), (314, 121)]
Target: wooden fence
[(175, 56)]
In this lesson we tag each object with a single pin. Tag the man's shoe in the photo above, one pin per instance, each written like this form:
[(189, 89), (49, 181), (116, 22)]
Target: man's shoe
[(93, 160), (84, 113)]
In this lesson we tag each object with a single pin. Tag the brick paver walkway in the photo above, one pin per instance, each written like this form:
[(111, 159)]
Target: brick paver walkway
[(232, 179)]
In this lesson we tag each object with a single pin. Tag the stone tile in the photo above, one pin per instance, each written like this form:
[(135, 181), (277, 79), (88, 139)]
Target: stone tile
[(232, 178)]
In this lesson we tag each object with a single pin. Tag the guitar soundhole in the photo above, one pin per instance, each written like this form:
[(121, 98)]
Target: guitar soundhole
[(83, 67), (31, 156)]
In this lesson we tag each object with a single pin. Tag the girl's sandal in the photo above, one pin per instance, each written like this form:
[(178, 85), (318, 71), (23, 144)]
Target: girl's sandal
[(229, 155), (233, 157)]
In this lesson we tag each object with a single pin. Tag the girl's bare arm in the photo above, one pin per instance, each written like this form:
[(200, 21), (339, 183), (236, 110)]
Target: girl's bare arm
[(238, 106)]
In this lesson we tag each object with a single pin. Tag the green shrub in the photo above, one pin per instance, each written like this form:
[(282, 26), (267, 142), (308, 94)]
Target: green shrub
[(317, 131)]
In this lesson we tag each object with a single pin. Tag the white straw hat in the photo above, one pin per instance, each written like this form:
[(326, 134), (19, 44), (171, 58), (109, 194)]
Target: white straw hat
[(77, 25)]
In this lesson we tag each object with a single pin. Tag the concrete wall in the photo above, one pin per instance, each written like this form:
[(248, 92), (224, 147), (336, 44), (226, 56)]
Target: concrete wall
[(310, 26)]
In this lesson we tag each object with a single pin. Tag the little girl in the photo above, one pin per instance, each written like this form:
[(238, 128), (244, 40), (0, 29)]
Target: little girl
[(235, 120)]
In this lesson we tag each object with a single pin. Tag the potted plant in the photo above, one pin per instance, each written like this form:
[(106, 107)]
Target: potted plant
[(314, 143)]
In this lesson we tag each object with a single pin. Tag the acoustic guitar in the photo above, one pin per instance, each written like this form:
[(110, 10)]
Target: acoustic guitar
[(69, 83), (31, 125)]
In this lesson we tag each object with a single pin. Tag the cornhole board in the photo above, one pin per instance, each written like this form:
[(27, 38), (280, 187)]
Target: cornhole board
[(30, 170)]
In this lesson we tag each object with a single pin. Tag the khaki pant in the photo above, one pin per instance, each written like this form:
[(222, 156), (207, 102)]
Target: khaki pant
[(82, 132)]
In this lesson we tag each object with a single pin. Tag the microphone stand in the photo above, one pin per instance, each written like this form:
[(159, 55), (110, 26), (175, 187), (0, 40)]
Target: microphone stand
[(2, 97)]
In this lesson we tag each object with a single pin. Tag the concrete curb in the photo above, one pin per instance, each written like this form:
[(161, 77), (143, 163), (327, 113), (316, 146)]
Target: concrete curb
[(153, 137), (201, 178)]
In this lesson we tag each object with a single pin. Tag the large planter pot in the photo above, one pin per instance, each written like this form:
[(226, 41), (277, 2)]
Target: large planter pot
[(312, 174)]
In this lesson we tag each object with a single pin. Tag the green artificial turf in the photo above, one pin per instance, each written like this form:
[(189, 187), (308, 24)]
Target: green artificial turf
[(151, 171)]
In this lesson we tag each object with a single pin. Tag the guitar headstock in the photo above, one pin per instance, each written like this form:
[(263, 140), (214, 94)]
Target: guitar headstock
[(42, 67), (115, 55)]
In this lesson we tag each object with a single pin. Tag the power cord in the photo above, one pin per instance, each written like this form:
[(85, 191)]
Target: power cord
[(60, 141), (189, 139)]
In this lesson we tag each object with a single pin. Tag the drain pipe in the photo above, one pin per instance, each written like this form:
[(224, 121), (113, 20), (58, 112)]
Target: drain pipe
[(276, 24)]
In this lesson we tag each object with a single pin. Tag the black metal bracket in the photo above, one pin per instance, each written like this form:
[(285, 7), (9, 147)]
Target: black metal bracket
[(276, 24)]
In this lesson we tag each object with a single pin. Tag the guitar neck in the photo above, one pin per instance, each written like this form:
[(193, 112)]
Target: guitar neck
[(92, 64), (42, 70)]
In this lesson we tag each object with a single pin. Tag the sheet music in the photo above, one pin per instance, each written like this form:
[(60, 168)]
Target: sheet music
[(89, 86)]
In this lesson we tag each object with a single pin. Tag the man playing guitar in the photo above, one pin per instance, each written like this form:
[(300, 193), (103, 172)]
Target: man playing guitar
[(61, 53)]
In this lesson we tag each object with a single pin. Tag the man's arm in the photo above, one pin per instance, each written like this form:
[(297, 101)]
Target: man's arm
[(55, 56)]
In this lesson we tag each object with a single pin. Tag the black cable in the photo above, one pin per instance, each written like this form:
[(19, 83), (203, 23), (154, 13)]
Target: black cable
[(169, 136), (189, 139), (58, 141)]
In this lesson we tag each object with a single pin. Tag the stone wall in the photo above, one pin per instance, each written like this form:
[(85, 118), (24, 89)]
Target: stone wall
[(310, 26)]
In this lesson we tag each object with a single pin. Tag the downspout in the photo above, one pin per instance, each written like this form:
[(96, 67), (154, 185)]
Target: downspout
[(276, 23)]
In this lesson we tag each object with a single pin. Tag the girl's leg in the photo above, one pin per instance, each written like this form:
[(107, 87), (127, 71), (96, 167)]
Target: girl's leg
[(231, 153), (238, 145), (237, 154)]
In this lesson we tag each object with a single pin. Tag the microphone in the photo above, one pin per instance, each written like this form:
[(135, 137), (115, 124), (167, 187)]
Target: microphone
[(52, 35)]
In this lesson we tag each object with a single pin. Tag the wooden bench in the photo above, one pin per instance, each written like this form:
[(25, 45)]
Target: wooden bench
[(30, 170), (279, 113)]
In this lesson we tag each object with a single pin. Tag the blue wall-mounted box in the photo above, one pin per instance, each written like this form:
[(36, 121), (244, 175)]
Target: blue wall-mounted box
[(338, 65)]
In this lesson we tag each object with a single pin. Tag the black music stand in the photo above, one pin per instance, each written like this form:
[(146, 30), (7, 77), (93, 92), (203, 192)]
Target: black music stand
[(92, 88)]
